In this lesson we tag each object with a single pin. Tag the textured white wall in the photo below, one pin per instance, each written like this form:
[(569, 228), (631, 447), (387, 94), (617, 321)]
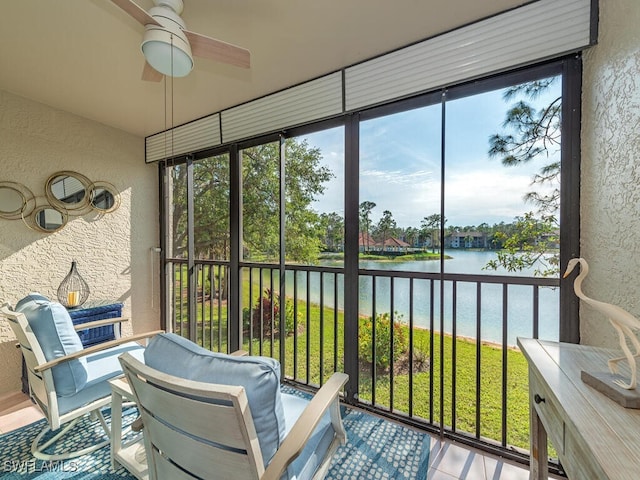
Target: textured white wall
[(113, 251), (610, 183)]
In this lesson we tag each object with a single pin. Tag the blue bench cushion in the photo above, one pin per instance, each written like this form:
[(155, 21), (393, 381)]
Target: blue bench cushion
[(260, 377), (53, 328)]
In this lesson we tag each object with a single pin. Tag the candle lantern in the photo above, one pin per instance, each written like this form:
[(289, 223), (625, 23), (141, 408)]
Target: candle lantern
[(73, 290)]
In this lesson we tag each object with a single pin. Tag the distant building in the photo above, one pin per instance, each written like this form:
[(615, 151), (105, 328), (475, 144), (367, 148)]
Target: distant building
[(395, 245), (466, 240), (366, 243)]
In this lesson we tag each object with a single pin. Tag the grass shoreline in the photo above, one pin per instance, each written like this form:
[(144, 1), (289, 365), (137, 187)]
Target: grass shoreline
[(317, 344), (404, 257)]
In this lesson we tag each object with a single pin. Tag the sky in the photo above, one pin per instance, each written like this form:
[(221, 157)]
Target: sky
[(400, 162)]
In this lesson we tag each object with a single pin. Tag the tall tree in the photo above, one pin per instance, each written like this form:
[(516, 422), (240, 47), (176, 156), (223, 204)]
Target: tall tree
[(411, 234), (178, 211), (211, 207), (365, 222), (332, 228), (304, 182), (261, 201), (531, 133), (386, 227), (430, 226), (528, 241)]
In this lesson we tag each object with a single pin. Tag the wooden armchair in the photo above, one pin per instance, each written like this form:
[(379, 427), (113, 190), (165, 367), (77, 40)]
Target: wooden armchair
[(234, 426), (66, 381)]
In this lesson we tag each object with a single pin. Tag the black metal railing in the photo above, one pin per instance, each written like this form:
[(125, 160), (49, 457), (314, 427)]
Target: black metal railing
[(210, 326), (435, 350)]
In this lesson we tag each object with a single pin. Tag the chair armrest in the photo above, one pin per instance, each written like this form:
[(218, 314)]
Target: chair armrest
[(239, 353), (94, 349), (293, 444), (99, 323)]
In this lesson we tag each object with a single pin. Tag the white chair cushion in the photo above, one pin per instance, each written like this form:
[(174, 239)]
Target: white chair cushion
[(54, 330), (260, 377)]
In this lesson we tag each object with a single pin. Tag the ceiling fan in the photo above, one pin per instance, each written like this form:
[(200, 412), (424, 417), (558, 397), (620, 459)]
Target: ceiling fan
[(169, 47)]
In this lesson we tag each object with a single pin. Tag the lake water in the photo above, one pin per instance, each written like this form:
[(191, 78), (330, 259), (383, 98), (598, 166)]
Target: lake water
[(519, 321)]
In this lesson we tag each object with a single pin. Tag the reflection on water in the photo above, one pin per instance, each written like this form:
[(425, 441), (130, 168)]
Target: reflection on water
[(426, 298)]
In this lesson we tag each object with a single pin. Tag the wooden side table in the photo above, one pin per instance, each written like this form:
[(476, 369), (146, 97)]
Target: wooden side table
[(129, 454), (594, 436)]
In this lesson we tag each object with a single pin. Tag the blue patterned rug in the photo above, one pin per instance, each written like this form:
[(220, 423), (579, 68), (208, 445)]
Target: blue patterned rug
[(376, 449)]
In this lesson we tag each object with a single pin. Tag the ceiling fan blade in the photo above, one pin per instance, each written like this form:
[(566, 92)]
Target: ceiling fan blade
[(207, 47), (150, 74), (136, 12)]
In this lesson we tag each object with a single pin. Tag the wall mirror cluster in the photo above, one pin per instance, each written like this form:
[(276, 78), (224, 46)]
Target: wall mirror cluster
[(67, 194)]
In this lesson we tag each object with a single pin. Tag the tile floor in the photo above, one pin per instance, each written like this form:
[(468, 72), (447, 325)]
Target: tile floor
[(449, 461), (16, 410)]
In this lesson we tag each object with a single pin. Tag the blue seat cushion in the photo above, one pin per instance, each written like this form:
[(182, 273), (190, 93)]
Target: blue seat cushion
[(101, 366), (260, 377), (306, 464), (52, 326)]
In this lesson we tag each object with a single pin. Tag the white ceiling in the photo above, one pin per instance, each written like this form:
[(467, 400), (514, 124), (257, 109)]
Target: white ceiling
[(83, 56)]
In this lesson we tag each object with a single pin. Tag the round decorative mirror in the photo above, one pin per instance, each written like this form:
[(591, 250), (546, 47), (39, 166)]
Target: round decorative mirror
[(104, 197), (68, 190), (48, 219), (15, 200), (66, 193), (11, 201)]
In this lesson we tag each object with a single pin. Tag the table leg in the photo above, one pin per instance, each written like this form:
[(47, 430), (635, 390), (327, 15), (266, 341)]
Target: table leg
[(539, 459), (116, 426)]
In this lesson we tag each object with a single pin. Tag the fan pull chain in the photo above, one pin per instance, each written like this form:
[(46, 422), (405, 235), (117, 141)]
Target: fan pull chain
[(166, 115), (172, 124)]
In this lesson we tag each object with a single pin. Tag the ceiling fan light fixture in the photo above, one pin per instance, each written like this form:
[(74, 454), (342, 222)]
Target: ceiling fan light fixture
[(169, 53), (169, 47)]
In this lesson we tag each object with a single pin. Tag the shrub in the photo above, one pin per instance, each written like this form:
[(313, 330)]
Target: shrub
[(289, 318), (383, 332), (264, 309)]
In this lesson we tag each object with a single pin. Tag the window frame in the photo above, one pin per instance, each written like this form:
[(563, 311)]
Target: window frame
[(570, 67)]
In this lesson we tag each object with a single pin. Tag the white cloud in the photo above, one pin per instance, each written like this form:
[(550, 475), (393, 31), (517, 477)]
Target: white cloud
[(471, 197), (397, 177), (490, 196)]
